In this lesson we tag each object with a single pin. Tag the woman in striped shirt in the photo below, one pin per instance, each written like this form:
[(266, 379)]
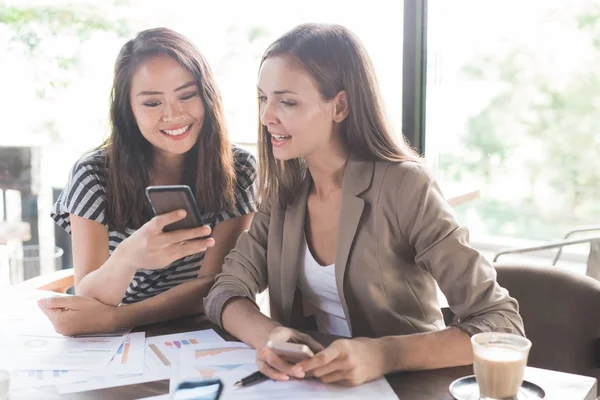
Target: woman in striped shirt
[(168, 128)]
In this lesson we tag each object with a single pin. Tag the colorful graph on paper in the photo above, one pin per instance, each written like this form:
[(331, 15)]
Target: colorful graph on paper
[(205, 353), (35, 377), (209, 372), (182, 342), (129, 358), (39, 374), (123, 351), (208, 361), (165, 349), (231, 362)]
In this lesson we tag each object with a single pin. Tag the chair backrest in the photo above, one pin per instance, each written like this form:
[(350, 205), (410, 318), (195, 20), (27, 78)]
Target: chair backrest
[(561, 313)]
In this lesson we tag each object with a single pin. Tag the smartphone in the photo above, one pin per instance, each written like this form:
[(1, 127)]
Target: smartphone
[(201, 389), (165, 199), (291, 352)]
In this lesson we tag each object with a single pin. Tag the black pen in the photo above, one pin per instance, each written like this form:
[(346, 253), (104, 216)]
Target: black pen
[(252, 379)]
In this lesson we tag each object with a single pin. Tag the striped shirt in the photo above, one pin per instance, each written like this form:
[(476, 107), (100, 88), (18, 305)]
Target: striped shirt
[(85, 196)]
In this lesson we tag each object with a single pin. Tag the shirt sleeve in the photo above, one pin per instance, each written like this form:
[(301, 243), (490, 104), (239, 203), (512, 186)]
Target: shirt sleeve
[(244, 271), (245, 186), (84, 196), (441, 246)]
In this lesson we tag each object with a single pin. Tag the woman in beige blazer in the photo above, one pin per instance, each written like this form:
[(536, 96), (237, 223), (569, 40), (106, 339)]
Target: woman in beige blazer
[(352, 230)]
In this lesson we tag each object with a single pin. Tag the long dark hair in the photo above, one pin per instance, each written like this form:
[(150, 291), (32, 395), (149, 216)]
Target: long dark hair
[(208, 166), (337, 60)]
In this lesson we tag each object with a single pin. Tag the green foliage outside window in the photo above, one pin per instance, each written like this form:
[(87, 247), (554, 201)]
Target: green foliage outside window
[(540, 128)]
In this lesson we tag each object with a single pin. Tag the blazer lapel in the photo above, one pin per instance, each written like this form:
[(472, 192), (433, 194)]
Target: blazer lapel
[(357, 178), (291, 250)]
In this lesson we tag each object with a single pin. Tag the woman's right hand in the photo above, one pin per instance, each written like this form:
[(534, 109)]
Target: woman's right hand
[(151, 248), (271, 365)]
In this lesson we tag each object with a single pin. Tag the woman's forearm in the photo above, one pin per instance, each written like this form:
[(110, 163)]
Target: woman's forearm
[(108, 283), (181, 301), (239, 314), (450, 347)]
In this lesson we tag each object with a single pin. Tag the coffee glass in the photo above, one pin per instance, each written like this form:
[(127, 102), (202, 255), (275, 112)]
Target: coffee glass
[(499, 361)]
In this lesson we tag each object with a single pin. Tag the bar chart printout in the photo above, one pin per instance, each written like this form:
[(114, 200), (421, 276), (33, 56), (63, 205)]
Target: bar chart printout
[(29, 352), (35, 378), (159, 357), (231, 361), (165, 349)]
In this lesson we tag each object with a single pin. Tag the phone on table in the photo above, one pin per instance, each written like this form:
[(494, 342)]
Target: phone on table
[(165, 199), (201, 389), (291, 352)]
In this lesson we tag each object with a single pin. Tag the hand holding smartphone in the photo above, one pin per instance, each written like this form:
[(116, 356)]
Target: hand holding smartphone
[(165, 199), (289, 352), (154, 246), (292, 353)]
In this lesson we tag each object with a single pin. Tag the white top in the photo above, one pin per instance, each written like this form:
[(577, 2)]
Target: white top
[(320, 296)]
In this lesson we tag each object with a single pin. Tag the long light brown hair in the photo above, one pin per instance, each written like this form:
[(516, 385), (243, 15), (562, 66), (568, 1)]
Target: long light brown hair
[(208, 166), (336, 60)]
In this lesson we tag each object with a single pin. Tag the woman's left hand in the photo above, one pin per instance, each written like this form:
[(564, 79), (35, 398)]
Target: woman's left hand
[(348, 362), (74, 315)]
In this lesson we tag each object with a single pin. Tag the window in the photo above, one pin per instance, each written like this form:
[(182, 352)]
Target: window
[(513, 92)]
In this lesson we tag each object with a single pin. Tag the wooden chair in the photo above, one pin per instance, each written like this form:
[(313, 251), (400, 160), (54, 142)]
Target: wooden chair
[(58, 281)]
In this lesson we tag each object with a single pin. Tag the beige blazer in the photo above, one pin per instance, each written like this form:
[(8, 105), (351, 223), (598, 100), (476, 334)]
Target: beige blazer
[(397, 236)]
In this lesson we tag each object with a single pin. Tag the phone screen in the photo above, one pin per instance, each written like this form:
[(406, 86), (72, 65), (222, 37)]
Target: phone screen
[(165, 199), (198, 390)]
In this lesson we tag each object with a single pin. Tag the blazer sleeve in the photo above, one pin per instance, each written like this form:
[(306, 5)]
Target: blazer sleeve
[(244, 271), (465, 277)]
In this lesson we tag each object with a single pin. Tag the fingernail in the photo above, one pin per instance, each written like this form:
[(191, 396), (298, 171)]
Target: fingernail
[(285, 378), (181, 213), (298, 371)]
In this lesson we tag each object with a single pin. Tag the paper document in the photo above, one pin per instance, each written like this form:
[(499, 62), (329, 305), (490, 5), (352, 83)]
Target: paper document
[(32, 344), (35, 378), (101, 382), (130, 355), (24, 352), (232, 361), (128, 359), (159, 356), (165, 349)]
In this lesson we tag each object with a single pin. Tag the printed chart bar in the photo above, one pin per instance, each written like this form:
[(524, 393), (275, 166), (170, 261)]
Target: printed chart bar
[(160, 355), (178, 343), (125, 353)]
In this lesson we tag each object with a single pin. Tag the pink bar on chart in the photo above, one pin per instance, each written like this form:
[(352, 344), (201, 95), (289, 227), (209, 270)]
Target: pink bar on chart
[(125, 354)]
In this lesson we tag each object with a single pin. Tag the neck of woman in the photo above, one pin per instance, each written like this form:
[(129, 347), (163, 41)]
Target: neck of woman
[(167, 170), (327, 171)]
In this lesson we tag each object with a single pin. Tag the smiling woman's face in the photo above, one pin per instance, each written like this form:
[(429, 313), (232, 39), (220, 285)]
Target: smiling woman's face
[(292, 109), (167, 106)]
